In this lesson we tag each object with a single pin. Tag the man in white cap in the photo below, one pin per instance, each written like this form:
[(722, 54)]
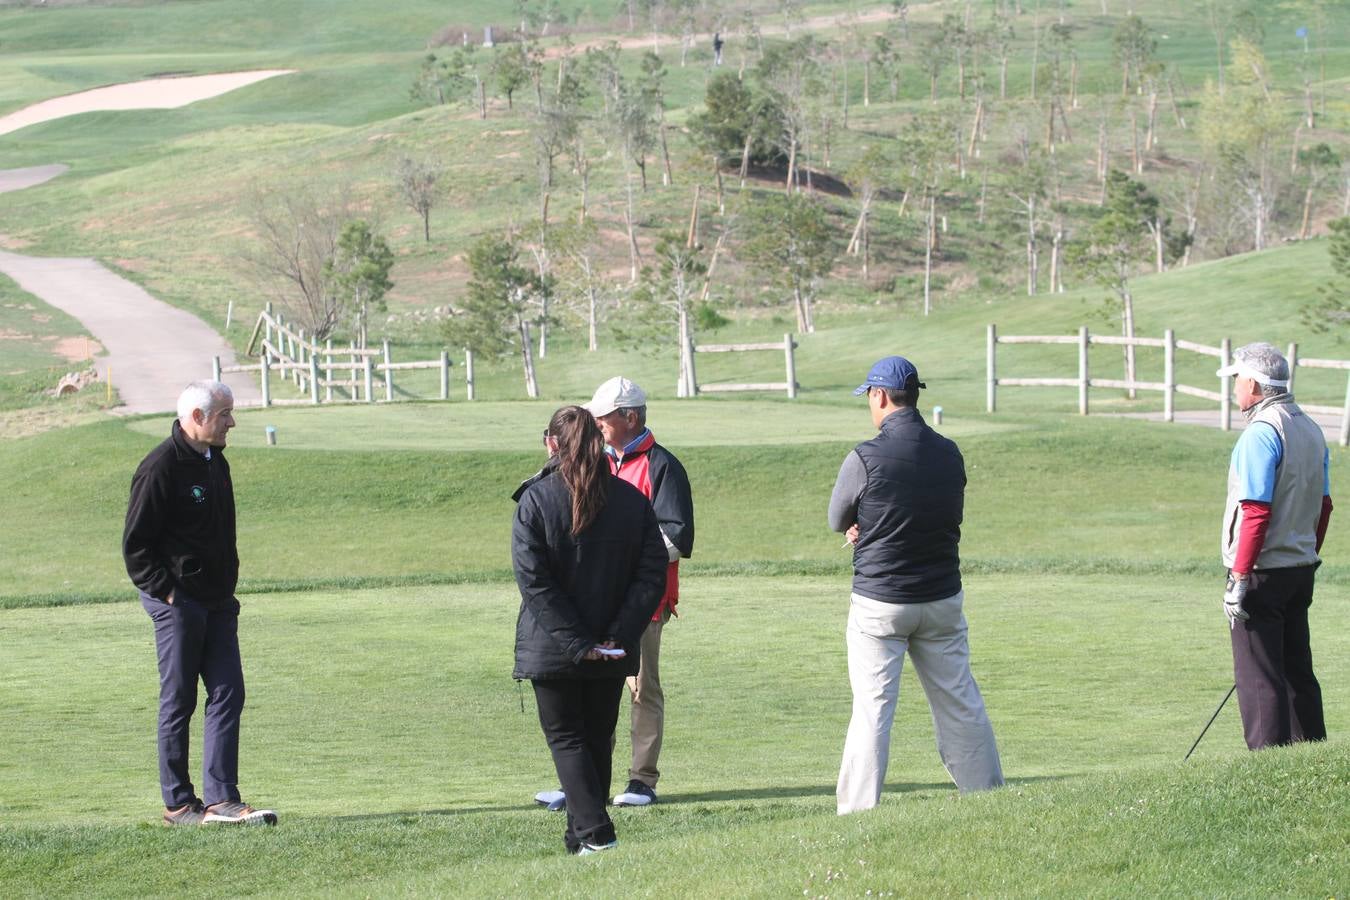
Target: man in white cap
[(620, 409), (1279, 504), (900, 499)]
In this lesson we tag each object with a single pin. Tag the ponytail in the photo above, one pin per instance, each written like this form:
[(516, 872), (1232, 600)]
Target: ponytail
[(582, 463)]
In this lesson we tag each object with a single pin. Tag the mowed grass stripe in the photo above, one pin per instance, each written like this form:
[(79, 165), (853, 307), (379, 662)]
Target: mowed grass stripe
[(385, 726)]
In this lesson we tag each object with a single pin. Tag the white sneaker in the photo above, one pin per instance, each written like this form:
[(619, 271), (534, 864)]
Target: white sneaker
[(553, 801), (637, 794), (588, 848)]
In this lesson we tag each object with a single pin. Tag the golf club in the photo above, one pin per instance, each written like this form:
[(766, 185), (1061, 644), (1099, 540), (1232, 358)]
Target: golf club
[(1217, 709)]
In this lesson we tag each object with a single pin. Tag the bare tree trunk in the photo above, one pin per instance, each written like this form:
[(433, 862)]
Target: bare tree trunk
[(928, 259), (984, 188), (1033, 252), (975, 127), (1003, 78), (792, 164), (634, 256), (867, 82), (1056, 251), (1176, 109), (1309, 118), (717, 173), (799, 304), (527, 360), (1137, 158), (745, 160), (1101, 151), (1127, 315), (482, 97), (712, 266), (1151, 136), (1073, 84), (666, 178), (1307, 213)]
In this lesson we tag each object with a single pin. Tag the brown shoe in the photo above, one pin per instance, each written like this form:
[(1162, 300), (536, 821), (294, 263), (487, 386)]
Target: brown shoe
[(233, 812), (187, 814)]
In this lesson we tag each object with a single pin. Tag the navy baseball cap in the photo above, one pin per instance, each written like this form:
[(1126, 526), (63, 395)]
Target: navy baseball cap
[(893, 372)]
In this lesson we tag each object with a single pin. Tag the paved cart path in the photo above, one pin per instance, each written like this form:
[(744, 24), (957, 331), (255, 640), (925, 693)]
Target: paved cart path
[(154, 349), (1331, 425)]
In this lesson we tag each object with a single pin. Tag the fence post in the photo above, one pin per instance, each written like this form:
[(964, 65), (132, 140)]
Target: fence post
[(468, 372), (300, 358), (1292, 356), (369, 373), (388, 376), (1226, 387), (445, 374), (267, 322), (215, 368), (791, 366), (1169, 375), (1083, 342), (328, 370), (229, 315), (1345, 416), (266, 372), (691, 390), (313, 379), (990, 378), (351, 358)]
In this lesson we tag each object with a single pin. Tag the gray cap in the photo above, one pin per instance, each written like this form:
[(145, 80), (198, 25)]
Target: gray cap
[(1260, 362)]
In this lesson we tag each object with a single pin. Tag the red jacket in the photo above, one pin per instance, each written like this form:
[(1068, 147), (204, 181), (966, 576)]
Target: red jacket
[(656, 472)]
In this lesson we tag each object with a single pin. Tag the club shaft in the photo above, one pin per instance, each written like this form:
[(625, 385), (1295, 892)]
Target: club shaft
[(1217, 710)]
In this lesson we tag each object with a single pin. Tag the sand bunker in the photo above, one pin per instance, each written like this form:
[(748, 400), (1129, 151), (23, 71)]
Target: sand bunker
[(153, 93)]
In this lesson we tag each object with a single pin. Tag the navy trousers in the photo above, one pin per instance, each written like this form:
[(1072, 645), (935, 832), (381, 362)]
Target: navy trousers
[(1278, 694), (194, 642), (578, 717)]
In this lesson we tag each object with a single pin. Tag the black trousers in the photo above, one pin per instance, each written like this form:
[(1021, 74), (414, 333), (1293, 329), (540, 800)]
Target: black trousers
[(1278, 694), (194, 643), (578, 717)]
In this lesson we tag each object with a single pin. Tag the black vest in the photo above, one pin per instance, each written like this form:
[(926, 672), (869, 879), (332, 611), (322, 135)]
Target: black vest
[(909, 516)]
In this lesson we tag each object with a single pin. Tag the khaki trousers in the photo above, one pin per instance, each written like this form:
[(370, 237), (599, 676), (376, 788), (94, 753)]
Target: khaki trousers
[(934, 634), (649, 707)]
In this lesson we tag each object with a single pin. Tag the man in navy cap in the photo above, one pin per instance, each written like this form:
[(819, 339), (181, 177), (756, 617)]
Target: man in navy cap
[(899, 500)]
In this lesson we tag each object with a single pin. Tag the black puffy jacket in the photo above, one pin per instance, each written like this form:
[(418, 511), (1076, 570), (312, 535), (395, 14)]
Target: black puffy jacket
[(577, 592)]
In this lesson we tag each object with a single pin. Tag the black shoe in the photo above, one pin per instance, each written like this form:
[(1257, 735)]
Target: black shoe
[(637, 794)]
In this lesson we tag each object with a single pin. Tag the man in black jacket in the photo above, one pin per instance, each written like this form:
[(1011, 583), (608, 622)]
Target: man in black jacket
[(179, 549), (899, 498)]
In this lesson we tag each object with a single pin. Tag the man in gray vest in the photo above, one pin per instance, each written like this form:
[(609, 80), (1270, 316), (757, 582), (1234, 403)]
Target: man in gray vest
[(899, 499), (1279, 504)]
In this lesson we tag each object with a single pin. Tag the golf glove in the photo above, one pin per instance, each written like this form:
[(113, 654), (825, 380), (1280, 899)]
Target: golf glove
[(1233, 595)]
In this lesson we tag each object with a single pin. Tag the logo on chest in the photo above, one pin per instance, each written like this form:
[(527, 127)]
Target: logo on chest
[(198, 494)]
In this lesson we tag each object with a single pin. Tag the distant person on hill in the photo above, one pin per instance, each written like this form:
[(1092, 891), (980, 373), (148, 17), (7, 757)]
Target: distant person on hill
[(620, 409), (899, 499), (718, 43), (1276, 516), (591, 567), (179, 549)]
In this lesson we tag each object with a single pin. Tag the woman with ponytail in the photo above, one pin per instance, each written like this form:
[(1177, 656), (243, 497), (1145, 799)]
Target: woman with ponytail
[(591, 566)]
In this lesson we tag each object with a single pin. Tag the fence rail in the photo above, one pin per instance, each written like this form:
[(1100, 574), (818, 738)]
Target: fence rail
[(287, 352), (785, 346), (1169, 386)]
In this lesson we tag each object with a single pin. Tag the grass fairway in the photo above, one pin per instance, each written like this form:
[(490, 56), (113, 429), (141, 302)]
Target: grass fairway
[(385, 727)]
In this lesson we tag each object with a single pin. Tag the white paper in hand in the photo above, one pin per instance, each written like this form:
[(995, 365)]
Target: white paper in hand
[(605, 651)]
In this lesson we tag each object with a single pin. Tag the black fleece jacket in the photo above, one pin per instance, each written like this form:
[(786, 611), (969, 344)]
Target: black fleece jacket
[(180, 528), (576, 592)]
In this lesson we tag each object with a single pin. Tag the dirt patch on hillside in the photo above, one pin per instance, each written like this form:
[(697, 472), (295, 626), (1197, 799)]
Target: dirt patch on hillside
[(77, 349)]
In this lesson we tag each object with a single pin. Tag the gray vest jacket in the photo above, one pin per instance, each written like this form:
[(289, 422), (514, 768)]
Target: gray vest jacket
[(1296, 504), (909, 516)]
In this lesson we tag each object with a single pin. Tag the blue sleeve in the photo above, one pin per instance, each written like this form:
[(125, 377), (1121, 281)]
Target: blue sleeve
[(1255, 458)]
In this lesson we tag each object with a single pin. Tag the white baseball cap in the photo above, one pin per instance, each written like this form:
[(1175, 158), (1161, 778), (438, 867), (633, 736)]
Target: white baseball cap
[(1260, 362), (617, 393)]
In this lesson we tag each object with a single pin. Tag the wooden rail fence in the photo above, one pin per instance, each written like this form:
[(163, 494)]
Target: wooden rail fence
[(785, 346), (285, 352), (1169, 386)]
